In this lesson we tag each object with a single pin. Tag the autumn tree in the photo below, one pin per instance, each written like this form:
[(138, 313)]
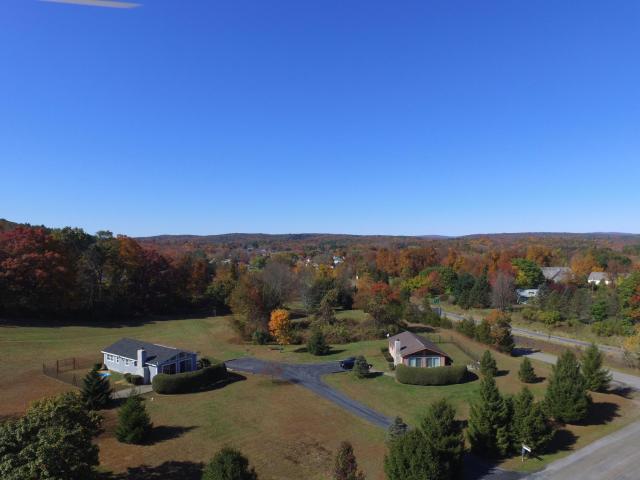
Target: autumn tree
[(52, 441), (500, 327), (346, 465), (280, 326), (503, 291), (528, 274)]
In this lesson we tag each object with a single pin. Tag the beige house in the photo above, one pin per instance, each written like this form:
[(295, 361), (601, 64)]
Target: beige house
[(415, 351)]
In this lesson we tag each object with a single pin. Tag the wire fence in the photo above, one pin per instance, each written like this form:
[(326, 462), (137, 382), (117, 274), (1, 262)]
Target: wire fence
[(69, 370)]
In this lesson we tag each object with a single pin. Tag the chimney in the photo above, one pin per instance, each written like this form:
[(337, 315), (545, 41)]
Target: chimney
[(142, 357), (396, 349)]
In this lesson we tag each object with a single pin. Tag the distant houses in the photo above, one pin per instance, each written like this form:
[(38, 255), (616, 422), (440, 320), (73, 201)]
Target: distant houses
[(597, 278), (557, 274), (525, 294)]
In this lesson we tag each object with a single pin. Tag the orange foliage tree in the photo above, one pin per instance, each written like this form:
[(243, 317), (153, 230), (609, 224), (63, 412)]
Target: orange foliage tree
[(280, 326)]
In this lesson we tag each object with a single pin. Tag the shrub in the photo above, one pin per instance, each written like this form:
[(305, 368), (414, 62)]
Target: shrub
[(229, 464), (189, 381), (317, 344), (260, 337), (134, 424), (361, 367), (467, 327), (431, 376), (203, 362), (98, 366)]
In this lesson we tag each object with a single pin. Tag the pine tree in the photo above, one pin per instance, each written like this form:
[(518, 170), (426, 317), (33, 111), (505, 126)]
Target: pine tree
[(443, 436), (229, 464), (488, 366), (483, 333), (480, 293), (396, 430), (488, 415), (96, 390), (536, 430), (431, 452), (134, 425), (346, 466), (597, 378), (526, 373), (566, 399), (317, 344), (522, 404)]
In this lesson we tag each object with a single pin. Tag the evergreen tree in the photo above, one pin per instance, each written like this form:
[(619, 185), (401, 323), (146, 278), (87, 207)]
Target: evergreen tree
[(483, 332), (597, 378), (522, 404), (96, 390), (396, 430), (317, 344), (566, 399), (346, 466), (361, 367), (480, 293), (526, 373), (536, 430), (134, 425), (488, 366), (229, 464), (431, 452), (488, 417), (443, 436)]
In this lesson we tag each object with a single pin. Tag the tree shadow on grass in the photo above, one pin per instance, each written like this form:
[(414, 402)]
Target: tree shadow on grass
[(171, 470), (622, 390), (522, 351), (562, 441), (476, 468), (600, 413), (421, 329), (502, 373), (332, 351), (167, 432), (89, 321)]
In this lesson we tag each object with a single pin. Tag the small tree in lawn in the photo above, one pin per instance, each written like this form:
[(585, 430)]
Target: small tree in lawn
[(443, 435), (134, 425), (489, 420), (346, 466), (361, 367), (526, 373), (280, 326), (96, 390), (317, 344), (531, 425), (396, 430), (596, 377), (229, 464), (566, 398), (488, 366)]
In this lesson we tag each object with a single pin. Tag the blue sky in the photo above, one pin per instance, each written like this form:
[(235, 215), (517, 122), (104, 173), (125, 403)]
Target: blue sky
[(359, 116)]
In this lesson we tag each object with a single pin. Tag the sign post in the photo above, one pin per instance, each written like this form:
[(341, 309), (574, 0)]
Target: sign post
[(525, 450)]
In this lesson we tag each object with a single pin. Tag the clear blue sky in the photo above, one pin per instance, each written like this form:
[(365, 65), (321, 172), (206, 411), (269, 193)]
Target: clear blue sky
[(358, 116)]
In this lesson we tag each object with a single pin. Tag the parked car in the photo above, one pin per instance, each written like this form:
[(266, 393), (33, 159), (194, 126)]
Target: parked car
[(348, 363)]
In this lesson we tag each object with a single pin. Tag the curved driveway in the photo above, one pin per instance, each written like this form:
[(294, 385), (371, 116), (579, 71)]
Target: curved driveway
[(310, 376)]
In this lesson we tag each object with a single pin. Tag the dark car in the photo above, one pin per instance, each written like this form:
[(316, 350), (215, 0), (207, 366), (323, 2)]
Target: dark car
[(348, 363)]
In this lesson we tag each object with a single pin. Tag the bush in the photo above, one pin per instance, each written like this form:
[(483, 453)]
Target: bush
[(260, 337), (98, 366), (203, 362), (189, 381), (317, 344), (229, 464), (431, 376), (134, 425), (467, 327), (361, 367)]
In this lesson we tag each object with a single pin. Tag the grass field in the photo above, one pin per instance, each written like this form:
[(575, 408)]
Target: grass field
[(287, 431)]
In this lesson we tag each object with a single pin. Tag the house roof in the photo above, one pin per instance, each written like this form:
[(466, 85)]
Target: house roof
[(411, 343), (556, 274), (598, 276), (156, 354), (527, 292)]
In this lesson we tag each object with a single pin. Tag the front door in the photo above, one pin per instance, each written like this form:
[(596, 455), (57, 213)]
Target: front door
[(170, 369)]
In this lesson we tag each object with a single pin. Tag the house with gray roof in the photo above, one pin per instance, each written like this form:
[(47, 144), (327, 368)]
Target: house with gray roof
[(415, 351), (557, 274), (146, 359)]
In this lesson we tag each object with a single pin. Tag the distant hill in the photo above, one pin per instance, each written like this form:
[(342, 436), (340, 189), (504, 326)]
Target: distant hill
[(6, 225)]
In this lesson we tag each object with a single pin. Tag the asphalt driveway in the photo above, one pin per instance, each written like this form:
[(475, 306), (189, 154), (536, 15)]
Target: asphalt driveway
[(310, 376)]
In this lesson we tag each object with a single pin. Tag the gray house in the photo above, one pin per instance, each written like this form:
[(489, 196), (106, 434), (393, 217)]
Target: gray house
[(147, 359)]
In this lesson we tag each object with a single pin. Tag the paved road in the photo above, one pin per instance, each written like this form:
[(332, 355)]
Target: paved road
[(523, 332), (614, 457), (310, 376)]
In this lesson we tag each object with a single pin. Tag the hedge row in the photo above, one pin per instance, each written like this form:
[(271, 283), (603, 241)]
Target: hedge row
[(431, 376), (189, 381)]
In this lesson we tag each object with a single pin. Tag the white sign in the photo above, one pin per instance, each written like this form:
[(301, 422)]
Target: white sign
[(524, 447)]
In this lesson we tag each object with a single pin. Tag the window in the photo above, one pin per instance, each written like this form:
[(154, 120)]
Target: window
[(415, 362), (432, 361)]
